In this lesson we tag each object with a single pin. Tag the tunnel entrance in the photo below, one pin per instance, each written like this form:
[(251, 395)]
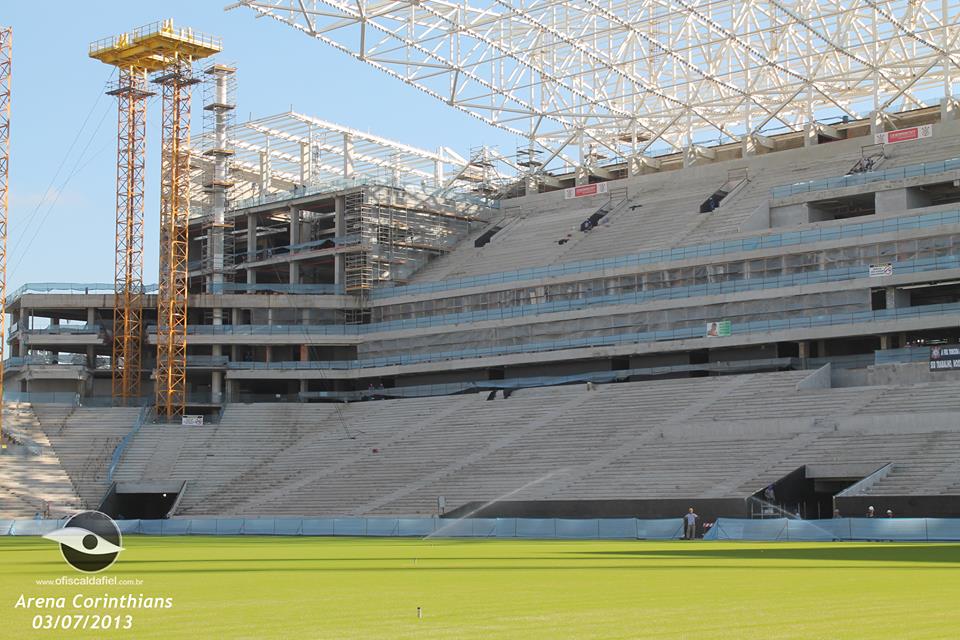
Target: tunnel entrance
[(807, 492), (142, 500)]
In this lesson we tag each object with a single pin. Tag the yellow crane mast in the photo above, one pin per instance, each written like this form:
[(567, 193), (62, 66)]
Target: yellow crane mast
[(169, 53)]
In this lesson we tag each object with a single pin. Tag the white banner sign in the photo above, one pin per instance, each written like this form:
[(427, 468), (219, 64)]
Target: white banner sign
[(904, 135), (192, 421), (881, 270)]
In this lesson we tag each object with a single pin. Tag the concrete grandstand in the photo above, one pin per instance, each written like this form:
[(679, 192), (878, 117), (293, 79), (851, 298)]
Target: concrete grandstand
[(693, 328)]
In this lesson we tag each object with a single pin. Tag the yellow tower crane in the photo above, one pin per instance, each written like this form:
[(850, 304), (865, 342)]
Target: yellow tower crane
[(169, 53), (6, 59)]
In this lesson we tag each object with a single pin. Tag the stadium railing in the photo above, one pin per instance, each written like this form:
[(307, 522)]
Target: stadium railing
[(697, 331), (121, 447), (760, 240), (720, 247), (855, 179), (502, 312)]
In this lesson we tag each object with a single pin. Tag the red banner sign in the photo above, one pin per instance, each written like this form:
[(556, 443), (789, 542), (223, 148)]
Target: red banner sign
[(904, 135), (585, 190)]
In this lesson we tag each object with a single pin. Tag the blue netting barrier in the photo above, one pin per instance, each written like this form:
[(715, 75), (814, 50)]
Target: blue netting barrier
[(659, 529), (34, 527), (876, 529), (532, 528), (614, 528), (780, 529)]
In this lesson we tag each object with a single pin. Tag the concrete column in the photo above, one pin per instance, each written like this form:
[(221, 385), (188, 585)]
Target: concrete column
[(303, 386), (264, 183), (339, 226), (91, 351), (234, 349), (884, 342), (347, 156), (216, 379), (294, 266), (948, 109), (228, 395), (54, 356), (251, 246), (803, 348), (22, 319), (269, 357), (438, 171), (306, 163), (897, 298), (821, 348), (877, 122)]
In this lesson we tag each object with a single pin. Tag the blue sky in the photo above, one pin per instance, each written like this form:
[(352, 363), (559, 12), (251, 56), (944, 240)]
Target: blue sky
[(63, 136)]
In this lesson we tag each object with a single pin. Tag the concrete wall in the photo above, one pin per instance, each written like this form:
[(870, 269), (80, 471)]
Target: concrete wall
[(892, 374)]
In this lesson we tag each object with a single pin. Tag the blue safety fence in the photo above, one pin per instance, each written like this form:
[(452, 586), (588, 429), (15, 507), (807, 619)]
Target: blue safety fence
[(852, 529), (532, 528), (611, 339), (867, 177), (762, 240), (773, 530)]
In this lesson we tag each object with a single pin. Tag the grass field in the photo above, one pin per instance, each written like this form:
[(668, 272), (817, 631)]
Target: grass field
[(371, 588)]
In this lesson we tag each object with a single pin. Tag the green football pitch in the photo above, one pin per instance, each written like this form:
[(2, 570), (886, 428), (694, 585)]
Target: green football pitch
[(372, 588)]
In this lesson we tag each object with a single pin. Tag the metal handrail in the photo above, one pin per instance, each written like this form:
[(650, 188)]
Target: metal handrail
[(853, 179), (121, 447)]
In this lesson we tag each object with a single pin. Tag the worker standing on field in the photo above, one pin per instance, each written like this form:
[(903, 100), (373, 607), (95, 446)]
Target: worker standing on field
[(690, 525)]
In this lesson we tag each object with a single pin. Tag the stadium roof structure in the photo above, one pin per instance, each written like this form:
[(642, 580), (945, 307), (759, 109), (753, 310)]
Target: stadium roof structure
[(589, 82), (301, 149)]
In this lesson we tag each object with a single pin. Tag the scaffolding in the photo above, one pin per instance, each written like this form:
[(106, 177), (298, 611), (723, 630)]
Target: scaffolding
[(6, 69), (392, 235), (357, 266), (219, 89)]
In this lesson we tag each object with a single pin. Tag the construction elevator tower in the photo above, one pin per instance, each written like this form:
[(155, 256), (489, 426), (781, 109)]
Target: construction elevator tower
[(168, 53), (6, 68)]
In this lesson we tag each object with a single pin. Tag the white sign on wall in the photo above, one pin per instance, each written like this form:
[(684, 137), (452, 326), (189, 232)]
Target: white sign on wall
[(904, 135), (881, 270), (192, 421)]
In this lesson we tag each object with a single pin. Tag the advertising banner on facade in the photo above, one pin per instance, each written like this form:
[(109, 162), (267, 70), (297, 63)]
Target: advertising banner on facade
[(903, 135), (945, 357), (718, 329), (585, 190)]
